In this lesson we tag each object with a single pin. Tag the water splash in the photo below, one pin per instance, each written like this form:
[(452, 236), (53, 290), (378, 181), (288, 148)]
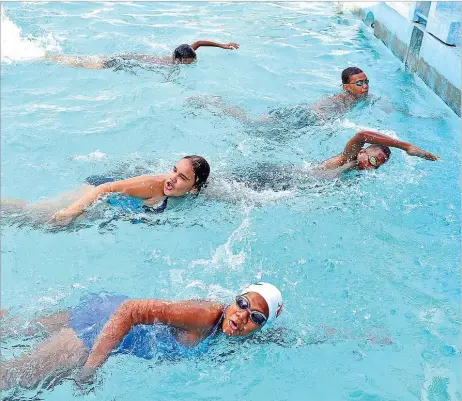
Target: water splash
[(15, 47)]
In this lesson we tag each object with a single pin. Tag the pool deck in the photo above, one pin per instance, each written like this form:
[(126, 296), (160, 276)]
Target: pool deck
[(425, 36)]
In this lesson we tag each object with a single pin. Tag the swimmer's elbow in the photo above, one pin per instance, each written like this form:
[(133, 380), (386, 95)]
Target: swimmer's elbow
[(104, 189), (365, 135), (137, 311), (125, 313), (361, 136)]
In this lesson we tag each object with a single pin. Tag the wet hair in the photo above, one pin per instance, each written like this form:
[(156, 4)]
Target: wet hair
[(183, 51), (348, 72), (383, 148), (201, 170)]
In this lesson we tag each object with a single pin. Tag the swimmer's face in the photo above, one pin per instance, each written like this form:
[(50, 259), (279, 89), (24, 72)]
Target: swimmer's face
[(353, 88), (180, 180), (237, 322), (371, 158), (188, 60)]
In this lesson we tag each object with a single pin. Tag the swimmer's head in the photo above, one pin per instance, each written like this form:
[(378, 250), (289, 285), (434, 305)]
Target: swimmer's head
[(189, 174), (257, 306), (372, 157), (184, 54), (355, 81)]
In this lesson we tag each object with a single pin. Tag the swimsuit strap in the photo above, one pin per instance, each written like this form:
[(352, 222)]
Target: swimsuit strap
[(218, 324), (158, 209)]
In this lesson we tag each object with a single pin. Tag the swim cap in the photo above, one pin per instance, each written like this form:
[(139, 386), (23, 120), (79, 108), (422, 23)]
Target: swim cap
[(271, 295)]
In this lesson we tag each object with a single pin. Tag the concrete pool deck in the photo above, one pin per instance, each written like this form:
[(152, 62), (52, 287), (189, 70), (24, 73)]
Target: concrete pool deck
[(425, 36)]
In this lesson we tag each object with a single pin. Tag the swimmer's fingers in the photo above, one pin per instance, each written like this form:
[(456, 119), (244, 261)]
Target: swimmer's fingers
[(415, 151), (231, 46), (62, 218), (431, 156), (85, 379), (428, 156), (85, 376)]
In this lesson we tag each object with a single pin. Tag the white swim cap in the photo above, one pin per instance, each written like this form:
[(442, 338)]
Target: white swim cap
[(271, 295)]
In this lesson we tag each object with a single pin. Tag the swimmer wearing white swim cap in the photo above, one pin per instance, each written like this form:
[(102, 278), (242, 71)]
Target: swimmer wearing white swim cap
[(258, 305), (86, 335)]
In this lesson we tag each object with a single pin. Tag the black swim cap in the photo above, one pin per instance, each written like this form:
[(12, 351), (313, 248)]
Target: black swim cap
[(183, 51), (201, 170)]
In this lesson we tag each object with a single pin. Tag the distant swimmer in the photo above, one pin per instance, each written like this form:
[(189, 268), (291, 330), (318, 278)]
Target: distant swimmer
[(183, 54), (143, 193), (355, 89), (81, 339)]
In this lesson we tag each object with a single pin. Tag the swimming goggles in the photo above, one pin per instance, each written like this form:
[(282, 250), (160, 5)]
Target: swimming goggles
[(256, 316), (361, 82), (373, 161)]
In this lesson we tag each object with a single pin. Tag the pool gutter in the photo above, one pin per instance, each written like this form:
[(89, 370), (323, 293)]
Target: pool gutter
[(425, 36)]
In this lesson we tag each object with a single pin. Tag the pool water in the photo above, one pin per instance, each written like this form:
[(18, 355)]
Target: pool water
[(368, 264)]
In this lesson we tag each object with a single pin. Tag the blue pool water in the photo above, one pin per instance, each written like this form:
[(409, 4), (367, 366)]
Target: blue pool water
[(368, 264)]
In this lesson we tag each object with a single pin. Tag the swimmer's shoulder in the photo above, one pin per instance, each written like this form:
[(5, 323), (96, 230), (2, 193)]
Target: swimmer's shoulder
[(330, 104), (333, 167)]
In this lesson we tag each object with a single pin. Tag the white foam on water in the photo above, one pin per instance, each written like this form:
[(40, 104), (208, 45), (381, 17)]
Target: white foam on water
[(15, 47), (97, 154), (224, 256), (95, 13), (54, 300), (237, 192)]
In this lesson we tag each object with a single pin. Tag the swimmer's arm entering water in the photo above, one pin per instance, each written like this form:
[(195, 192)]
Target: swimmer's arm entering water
[(193, 316), (227, 46), (144, 187), (355, 144)]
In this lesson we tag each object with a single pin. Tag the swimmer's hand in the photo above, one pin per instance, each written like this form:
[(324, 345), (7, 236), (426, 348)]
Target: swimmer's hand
[(64, 217), (230, 46), (86, 373), (415, 151), (85, 376)]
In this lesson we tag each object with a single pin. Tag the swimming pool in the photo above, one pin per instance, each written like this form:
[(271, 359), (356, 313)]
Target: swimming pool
[(368, 264)]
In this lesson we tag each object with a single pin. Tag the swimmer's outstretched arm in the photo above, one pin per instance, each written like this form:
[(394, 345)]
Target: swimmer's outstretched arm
[(144, 187), (228, 46), (355, 144), (198, 316)]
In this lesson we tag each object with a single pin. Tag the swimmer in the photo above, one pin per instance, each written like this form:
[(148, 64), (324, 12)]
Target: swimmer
[(355, 156), (183, 54), (355, 86), (83, 338), (284, 178), (148, 193)]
